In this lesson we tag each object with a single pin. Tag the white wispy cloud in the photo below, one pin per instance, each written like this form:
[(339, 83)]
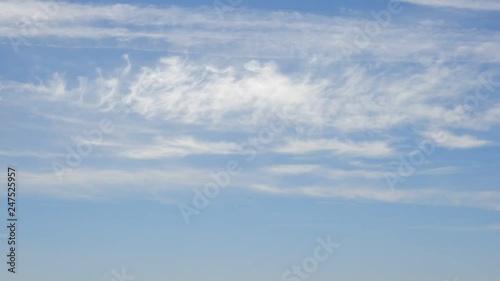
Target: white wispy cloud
[(490, 117), (180, 146), (322, 171), (199, 93), (292, 169), (335, 146), (248, 94), (29, 154), (91, 183), (243, 33), (491, 227), (489, 200), (448, 170), (451, 140), (489, 5)]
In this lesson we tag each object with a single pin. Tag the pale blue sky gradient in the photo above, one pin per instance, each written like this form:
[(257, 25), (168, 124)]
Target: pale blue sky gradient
[(185, 86)]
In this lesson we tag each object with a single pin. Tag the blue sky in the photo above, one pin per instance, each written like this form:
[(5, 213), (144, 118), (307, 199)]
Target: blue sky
[(222, 140)]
